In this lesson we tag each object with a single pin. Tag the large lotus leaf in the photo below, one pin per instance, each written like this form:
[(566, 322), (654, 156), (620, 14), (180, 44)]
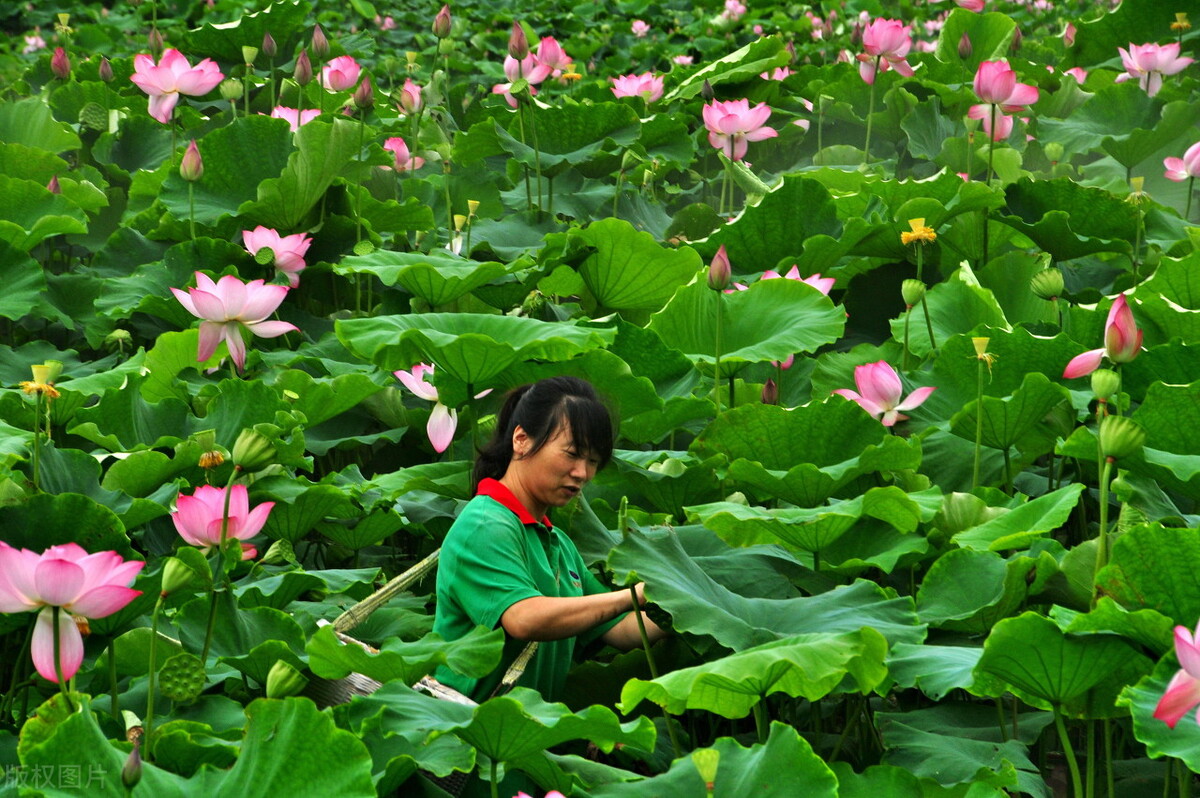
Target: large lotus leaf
[(778, 226), (30, 163), (438, 277), (897, 782), (237, 629), (1014, 420), (1031, 653), (1150, 628), (294, 517), (1007, 277), (241, 404), (970, 590), (237, 158), (1182, 742), (928, 127), (1115, 110), (1157, 568), (759, 56), (322, 399), (224, 41), (772, 320), (42, 521), (451, 479), (957, 305), (961, 744), (473, 347), (567, 133), (1021, 525), (936, 670), (648, 356), (629, 270), (31, 123), (1099, 35), (1168, 414), (123, 421), (391, 216), (668, 489), (475, 655), (1162, 320), (29, 213), (323, 151), (891, 203), (1177, 279), (990, 35), (1069, 220), (701, 606), (24, 283), (1177, 122), (808, 666)]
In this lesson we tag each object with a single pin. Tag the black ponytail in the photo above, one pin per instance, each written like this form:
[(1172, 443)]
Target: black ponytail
[(541, 409)]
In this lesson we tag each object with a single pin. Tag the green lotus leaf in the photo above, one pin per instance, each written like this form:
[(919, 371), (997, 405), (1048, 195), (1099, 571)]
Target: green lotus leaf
[(366, 531), (24, 285), (224, 41), (666, 492), (990, 35), (772, 320), (29, 213), (438, 277), (1014, 421), (42, 521), (472, 348), (809, 666), (1177, 122), (700, 606), (474, 655), (970, 590), (896, 782), (1177, 279), (238, 629), (1153, 567), (322, 399), (958, 305), (30, 122), (123, 421), (1141, 699), (629, 270), (294, 517), (622, 392), (30, 163), (1007, 277), (1069, 220), (936, 670), (1114, 111), (1018, 527), (1162, 321), (1150, 628), (1017, 353), (759, 56), (567, 134), (183, 746)]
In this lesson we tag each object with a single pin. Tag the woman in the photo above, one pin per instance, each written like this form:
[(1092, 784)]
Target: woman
[(503, 563)]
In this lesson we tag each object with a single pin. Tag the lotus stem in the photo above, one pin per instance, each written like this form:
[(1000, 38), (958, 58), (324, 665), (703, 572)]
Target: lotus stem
[(1109, 778), (495, 787), (6, 706), (1102, 539), (148, 722), (870, 113), (449, 206), (37, 440), (528, 190), (924, 303), (218, 567), (717, 360), (1069, 753), (1187, 214), (760, 719), (991, 152), (112, 678), (1090, 776), (537, 156), (907, 319), (637, 613), (978, 423), (192, 210)]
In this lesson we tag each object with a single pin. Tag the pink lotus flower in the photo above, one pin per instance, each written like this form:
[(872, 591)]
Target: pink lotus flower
[(385, 23), (779, 73), (340, 74), (1183, 692), (405, 161), (171, 77), (33, 44), (67, 578), (879, 390), (227, 306), (295, 117), (735, 10), (682, 60), (647, 85), (1180, 169), (1079, 73), (886, 43), (1148, 63), (410, 97), (289, 250), (822, 284), (551, 55), (971, 5), (1122, 342), (443, 421), (996, 84), (639, 28), (734, 123), (198, 518)]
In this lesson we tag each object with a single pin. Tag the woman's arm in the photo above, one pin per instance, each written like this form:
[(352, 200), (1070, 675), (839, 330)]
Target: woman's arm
[(547, 618), (627, 636)]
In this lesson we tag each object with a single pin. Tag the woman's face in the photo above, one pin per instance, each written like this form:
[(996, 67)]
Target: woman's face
[(555, 473)]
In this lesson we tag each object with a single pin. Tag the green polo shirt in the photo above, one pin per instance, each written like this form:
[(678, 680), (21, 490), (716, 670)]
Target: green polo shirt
[(495, 555)]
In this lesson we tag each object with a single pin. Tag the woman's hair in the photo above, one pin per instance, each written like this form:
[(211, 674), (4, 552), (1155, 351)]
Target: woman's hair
[(541, 409)]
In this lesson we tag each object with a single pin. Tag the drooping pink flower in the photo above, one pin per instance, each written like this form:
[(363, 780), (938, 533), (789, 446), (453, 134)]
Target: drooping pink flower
[(410, 97), (1122, 342), (171, 77), (443, 420), (647, 85), (228, 305), (1183, 692), (1148, 63), (639, 28), (733, 123), (65, 577), (294, 116), (405, 161), (198, 518), (886, 43), (289, 250), (1180, 169), (340, 74), (879, 390)]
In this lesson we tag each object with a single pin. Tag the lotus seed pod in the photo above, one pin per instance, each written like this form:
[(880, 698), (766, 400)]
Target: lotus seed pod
[(1047, 284), (284, 680), (253, 451), (706, 761), (280, 552), (1105, 383), (232, 89), (249, 54), (671, 467), (1120, 437), (176, 575), (181, 678), (912, 291)]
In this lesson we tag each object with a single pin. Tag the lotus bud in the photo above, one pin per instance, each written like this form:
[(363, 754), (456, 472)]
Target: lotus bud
[(131, 771), (410, 97), (671, 467), (964, 46), (441, 23), (791, 51), (284, 680), (706, 91), (304, 70), (1016, 40), (53, 186), (518, 42), (364, 95), (232, 89), (253, 451), (1069, 35), (279, 552), (191, 168), (912, 291), (1105, 383), (105, 70), (706, 761), (176, 575), (737, 497), (770, 392), (1047, 284), (320, 44), (719, 270), (155, 41), (60, 64), (1120, 437)]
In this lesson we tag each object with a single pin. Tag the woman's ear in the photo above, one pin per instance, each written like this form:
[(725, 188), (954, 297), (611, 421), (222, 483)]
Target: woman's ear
[(520, 442)]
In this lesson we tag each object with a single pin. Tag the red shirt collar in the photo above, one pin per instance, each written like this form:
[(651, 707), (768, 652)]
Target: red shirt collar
[(497, 490)]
